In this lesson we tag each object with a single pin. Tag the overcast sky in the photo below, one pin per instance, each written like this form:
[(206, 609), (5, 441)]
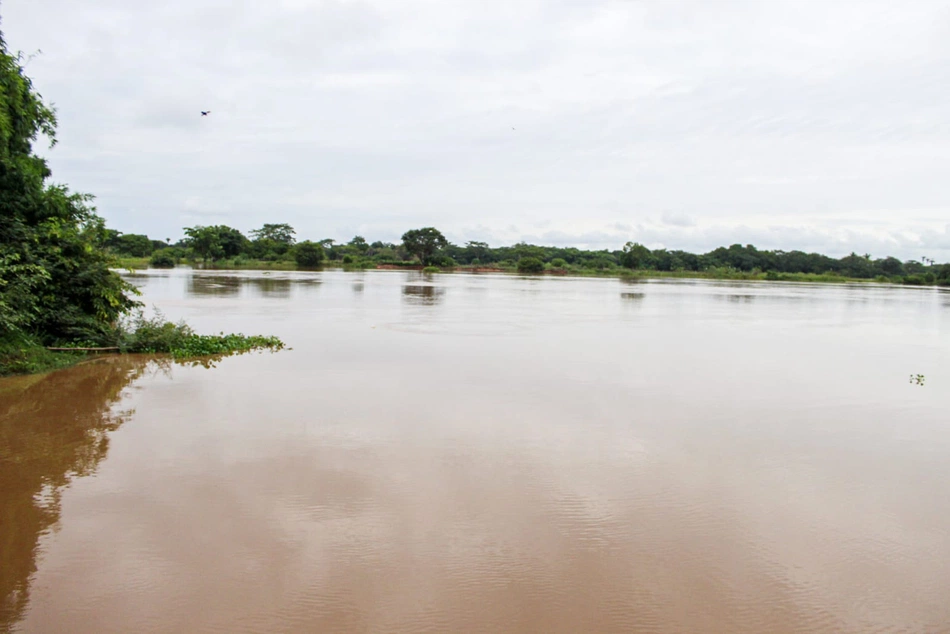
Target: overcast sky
[(817, 125)]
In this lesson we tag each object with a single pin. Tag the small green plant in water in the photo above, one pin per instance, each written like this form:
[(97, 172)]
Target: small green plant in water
[(209, 345), (917, 379)]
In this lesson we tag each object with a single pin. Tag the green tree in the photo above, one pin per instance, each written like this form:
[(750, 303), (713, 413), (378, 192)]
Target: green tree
[(943, 274), (475, 250), (425, 243), (282, 233), (233, 242), (890, 266), (215, 242), (163, 259), (272, 241), (56, 274), (308, 253), (636, 256), (359, 243), (855, 265), (525, 250), (131, 244), (204, 241)]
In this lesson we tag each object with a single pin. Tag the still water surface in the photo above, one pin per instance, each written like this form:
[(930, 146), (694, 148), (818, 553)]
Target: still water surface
[(493, 454)]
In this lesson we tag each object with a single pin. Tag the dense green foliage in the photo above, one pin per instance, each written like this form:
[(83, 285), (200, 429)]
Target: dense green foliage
[(426, 244), (23, 354), (273, 245), (531, 265), (57, 286), (55, 281), (163, 259), (308, 254)]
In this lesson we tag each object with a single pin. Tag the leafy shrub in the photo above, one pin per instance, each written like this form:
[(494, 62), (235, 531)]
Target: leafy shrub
[(431, 269), (162, 259), (530, 265), (920, 279), (559, 263), (943, 275), (348, 259), (308, 253)]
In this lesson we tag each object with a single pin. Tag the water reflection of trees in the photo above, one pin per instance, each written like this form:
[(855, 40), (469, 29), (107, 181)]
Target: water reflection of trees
[(270, 287), (213, 286), (740, 299), (53, 428), (230, 286), (633, 297), (423, 295)]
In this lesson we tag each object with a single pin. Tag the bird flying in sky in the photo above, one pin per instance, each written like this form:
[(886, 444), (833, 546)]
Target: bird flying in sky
[(205, 113)]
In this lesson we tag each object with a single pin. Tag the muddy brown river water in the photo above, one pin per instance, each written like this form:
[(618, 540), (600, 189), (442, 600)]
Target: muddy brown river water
[(482, 453)]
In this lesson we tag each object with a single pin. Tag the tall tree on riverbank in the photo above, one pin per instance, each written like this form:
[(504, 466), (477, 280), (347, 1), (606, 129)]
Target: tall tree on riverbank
[(424, 243), (55, 281)]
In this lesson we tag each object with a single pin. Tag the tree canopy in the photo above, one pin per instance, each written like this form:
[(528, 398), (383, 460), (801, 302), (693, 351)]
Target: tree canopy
[(55, 280), (425, 244)]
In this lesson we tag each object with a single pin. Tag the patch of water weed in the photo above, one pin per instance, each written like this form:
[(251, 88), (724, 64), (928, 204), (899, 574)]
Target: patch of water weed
[(140, 333)]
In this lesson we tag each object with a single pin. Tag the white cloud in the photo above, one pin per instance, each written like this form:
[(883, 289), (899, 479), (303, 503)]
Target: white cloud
[(796, 124)]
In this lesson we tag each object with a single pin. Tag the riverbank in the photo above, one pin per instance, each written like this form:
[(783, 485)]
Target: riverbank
[(567, 271), (26, 356)]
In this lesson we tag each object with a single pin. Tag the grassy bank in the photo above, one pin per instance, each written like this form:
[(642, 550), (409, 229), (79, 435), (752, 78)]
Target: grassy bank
[(132, 263), (25, 355)]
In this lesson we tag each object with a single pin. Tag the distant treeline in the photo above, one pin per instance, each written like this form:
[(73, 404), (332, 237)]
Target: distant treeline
[(222, 246)]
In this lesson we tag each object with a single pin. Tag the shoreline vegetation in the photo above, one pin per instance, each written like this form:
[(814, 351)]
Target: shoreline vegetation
[(58, 289), (137, 334), (275, 247), (138, 264)]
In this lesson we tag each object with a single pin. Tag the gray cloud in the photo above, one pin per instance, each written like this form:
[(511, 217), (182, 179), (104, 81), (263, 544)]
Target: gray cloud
[(678, 219), (784, 124)]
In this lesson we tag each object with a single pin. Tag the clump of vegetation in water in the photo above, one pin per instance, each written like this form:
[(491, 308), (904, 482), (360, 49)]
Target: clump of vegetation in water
[(156, 335), (917, 378), (431, 269)]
